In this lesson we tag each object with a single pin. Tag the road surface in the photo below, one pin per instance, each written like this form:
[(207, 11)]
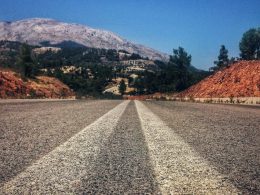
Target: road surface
[(128, 147)]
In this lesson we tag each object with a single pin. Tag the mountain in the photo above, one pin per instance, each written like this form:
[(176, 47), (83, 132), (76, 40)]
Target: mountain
[(39, 31), (241, 79)]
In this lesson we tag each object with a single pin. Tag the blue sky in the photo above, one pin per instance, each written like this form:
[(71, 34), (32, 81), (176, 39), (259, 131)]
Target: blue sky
[(200, 26)]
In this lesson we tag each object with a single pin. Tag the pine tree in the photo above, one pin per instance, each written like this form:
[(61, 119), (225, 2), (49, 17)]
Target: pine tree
[(250, 45), (25, 63), (180, 58), (178, 66), (223, 59), (122, 87)]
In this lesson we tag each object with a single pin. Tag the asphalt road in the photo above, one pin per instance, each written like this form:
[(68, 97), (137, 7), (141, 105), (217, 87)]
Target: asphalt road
[(128, 147)]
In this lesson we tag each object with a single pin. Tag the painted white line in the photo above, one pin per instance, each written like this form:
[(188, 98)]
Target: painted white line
[(179, 169), (60, 171)]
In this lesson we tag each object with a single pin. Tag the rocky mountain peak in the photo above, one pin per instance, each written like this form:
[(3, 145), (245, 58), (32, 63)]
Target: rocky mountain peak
[(37, 30)]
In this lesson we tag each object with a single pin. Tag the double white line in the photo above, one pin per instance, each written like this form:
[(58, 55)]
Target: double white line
[(178, 168)]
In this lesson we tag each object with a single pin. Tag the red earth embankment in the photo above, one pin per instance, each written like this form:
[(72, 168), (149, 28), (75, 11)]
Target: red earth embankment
[(12, 86), (241, 79)]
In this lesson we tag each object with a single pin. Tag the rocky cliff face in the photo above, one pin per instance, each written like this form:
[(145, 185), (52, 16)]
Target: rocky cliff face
[(241, 79), (12, 86), (37, 30)]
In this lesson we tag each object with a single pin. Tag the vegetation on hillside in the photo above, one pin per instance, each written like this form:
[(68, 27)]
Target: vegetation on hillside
[(88, 71), (176, 75)]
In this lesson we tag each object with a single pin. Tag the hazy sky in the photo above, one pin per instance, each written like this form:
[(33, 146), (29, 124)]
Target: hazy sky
[(200, 26)]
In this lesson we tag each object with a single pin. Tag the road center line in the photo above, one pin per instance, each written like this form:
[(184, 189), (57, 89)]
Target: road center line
[(60, 170), (178, 167)]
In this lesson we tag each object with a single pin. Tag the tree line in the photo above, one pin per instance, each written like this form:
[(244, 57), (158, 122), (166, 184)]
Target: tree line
[(249, 50)]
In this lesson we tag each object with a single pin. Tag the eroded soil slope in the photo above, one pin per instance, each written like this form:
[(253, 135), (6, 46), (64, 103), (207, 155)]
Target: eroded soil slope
[(241, 79), (12, 86)]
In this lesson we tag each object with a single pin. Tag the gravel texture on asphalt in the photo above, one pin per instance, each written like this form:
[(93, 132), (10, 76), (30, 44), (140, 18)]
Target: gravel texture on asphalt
[(122, 147), (123, 165), (226, 136), (60, 170), (179, 169), (31, 130)]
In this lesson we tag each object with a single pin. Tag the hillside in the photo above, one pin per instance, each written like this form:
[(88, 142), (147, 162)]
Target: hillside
[(12, 86), (93, 72), (241, 79), (39, 31)]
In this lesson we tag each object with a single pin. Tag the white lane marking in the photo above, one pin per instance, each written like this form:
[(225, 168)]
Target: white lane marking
[(179, 169), (60, 170)]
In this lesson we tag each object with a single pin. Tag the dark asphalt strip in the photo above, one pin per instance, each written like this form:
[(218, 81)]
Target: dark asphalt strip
[(29, 131), (123, 165), (227, 137)]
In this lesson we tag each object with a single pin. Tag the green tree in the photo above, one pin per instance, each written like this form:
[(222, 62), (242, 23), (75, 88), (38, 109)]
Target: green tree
[(25, 62), (130, 80), (180, 58), (122, 87), (135, 56), (139, 85), (223, 59), (250, 44), (179, 63)]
